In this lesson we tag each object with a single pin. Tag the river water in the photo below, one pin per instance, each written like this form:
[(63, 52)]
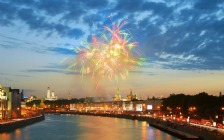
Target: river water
[(75, 127)]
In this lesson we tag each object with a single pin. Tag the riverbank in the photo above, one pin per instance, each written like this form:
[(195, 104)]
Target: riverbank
[(181, 131), (11, 125)]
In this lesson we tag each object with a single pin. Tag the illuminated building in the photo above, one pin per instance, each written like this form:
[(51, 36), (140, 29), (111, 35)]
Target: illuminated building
[(152, 105), (3, 103), (131, 97), (128, 106), (12, 105), (31, 98), (50, 95), (117, 96)]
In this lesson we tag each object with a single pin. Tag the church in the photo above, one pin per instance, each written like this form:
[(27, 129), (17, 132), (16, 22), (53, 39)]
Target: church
[(50, 95), (130, 97)]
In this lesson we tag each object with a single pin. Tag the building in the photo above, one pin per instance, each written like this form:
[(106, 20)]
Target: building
[(128, 106), (69, 96), (31, 98), (3, 104), (151, 105), (50, 95), (14, 97), (117, 96), (132, 97)]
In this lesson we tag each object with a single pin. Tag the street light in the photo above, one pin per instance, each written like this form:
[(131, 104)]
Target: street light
[(215, 122), (188, 119)]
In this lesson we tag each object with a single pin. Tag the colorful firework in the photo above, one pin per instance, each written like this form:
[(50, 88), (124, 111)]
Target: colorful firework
[(111, 56)]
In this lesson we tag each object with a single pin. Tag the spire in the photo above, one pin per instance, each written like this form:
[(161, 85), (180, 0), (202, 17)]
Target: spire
[(117, 95), (140, 96), (118, 91), (69, 96)]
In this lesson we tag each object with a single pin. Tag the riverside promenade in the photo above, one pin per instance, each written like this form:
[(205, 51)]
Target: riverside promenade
[(185, 132), (10, 125)]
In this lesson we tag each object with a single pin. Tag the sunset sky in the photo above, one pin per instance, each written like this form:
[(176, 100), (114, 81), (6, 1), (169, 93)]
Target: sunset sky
[(183, 42)]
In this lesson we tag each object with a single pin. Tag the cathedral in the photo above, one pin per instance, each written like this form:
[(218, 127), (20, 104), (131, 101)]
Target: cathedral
[(130, 97), (50, 95), (117, 96)]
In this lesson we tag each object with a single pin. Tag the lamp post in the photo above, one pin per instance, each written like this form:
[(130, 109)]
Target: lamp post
[(216, 119), (223, 120), (188, 119)]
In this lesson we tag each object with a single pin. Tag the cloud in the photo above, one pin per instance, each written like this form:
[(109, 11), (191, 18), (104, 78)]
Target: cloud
[(183, 35), (159, 8), (31, 15), (53, 71), (74, 10), (181, 61), (6, 46), (143, 72), (12, 42), (179, 31), (59, 50), (207, 4), (52, 7), (129, 6), (75, 33), (40, 24), (95, 4), (59, 66), (7, 13)]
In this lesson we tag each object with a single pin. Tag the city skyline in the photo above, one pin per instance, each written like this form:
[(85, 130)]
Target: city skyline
[(182, 42)]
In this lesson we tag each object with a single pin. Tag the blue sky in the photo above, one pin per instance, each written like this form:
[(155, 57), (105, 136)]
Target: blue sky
[(182, 41)]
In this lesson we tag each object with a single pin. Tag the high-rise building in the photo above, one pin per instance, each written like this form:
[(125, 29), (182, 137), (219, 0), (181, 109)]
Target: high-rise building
[(12, 109)]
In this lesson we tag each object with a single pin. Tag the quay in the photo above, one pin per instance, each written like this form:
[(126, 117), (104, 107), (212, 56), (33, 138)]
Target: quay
[(180, 134), (13, 124)]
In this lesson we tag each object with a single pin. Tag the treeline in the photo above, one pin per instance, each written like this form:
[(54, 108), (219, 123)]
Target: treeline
[(199, 106), (59, 103)]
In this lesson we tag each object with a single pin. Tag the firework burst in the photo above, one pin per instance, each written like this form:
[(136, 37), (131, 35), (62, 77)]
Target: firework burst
[(112, 56)]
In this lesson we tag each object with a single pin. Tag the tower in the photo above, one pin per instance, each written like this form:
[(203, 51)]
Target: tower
[(48, 93), (131, 93), (69, 96), (118, 95), (130, 96), (52, 94)]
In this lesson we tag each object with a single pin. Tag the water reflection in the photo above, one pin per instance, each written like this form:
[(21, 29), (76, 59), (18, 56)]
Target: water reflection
[(58, 127), (144, 130)]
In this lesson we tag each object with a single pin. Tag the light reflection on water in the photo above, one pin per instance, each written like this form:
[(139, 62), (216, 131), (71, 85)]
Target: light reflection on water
[(73, 127)]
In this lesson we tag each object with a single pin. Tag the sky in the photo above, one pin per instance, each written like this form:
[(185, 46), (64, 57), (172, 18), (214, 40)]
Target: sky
[(181, 39)]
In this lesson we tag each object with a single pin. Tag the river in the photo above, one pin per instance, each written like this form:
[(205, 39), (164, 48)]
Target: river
[(75, 127)]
